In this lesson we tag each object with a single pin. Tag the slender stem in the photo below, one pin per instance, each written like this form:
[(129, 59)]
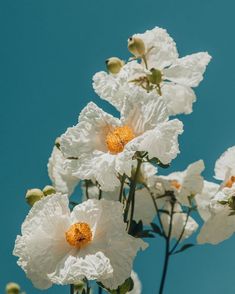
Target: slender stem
[(100, 290), (145, 61), (71, 289), (121, 188), (167, 251), (100, 194), (182, 233), (86, 187), (159, 90)]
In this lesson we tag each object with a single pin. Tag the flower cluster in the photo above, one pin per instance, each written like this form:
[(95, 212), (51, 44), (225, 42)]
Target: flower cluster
[(116, 161)]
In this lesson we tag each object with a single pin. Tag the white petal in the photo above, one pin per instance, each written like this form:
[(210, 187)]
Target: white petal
[(179, 99), (137, 284), (225, 165), (204, 198), (188, 70), (43, 243), (89, 134), (143, 111), (60, 175), (161, 48), (114, 87), (217, 228), (162, 142), (178, 223)]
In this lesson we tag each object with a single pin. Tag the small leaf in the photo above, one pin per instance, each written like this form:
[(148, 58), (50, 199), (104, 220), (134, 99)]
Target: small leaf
[(126, 287), (145, 234), (183, 248), (156, 229)]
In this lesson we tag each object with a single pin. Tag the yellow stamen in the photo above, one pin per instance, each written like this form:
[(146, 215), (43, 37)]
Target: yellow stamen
[(175, 184), (79, 235), (230, 182), (118, 137)]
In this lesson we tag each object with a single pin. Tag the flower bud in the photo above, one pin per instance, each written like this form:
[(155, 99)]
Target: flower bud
[(231, 202), (114, 65), (79, 286), (136, 46), (12, 288), (33, 195), (155, 77), (48, 190)]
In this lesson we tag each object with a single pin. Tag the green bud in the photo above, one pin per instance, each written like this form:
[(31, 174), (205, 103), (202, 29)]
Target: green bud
[(57, 142), (136, 46), (155, 77), (114, 64), (33, 195), (79, 286), (12, 288), (48, 190)]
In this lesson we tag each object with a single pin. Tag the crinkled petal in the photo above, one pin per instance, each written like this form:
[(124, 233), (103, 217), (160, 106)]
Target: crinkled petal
[(189, 70), (225, 165), (217, 228), (162, 142), (161, 48), (60, 174), (137, 284), (178, 98)]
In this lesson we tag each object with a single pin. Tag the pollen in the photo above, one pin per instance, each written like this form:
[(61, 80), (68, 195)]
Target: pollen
[(175, 184), (230, 182), (118, 137), (79, 235)]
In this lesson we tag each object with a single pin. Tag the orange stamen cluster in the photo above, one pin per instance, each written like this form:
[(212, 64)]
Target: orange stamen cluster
[(230, 182), (175, 184), (79, 235), (118, 137)]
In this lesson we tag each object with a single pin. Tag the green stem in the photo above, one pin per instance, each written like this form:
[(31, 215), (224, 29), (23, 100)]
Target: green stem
[(100, 290), (71, 289), (145, 61), (100, 194), (182, 233), (121, 188), (167, 251), (86, 187)]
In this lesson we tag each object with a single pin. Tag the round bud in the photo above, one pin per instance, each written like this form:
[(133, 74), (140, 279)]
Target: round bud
[(48, 190), (57, 142), (12, 288), (114, 65), (155, 77), (79, 285), (136, 46), (231, 202), (33, 195)]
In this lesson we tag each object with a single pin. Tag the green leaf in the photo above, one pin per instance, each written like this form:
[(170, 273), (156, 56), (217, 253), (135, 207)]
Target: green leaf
[(127, 286), (232, 213), (156, 229), (184, 247)]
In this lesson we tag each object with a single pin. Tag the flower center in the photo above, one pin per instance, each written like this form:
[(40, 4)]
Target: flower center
[(175, 184), (118, 137), (79, 235), (230, 182)]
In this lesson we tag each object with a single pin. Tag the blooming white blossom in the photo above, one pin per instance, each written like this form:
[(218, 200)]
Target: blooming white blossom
[(62, 247), (177, 75), (184, 184), (178, 222), (105, 145), (60, 173), (225, 167), (220, 219)]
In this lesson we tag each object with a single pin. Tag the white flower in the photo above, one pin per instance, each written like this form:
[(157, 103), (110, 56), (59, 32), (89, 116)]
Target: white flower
[(60, 173), (220, 220), (62, 247), (137, 284), (186, 183), (178, 222), (204, 198), (178, 75), (105, 145), (225, 167)]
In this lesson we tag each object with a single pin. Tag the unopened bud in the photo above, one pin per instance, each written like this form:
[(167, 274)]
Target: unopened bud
[(114, 64), (12, 288), (48, 190), (79, 286), (155, 77), (136, 46), (231, 202), (33, 195), (57, 142)]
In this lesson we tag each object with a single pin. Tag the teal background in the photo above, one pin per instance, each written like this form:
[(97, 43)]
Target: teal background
[(49, 51)]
